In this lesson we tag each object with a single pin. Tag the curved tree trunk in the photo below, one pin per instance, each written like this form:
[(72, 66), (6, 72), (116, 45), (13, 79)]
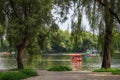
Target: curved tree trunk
[(20, 51)]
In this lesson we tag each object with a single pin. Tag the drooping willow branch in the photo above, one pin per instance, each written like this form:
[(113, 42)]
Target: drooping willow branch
[(110, 10)]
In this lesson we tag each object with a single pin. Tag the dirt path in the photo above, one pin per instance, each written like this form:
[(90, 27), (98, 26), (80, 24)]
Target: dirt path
[(74, 75)]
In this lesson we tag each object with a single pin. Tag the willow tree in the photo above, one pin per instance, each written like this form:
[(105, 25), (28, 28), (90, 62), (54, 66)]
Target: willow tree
[(108, 34), (76, 32), (101, 15), (101, 19), (25, 17), (107, 13)]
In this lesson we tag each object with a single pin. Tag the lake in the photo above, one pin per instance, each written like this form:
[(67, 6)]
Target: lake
[(47, 61)]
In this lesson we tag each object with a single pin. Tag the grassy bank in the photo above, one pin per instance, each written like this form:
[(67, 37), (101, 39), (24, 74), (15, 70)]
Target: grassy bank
[(17, 74), (112, 70)]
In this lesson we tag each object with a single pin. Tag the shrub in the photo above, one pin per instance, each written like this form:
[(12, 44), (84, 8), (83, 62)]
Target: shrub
[(28, 72), (59, 68), (17, 75), (12, 76)]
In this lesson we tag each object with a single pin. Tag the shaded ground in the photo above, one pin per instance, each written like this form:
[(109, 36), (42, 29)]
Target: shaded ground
[(74, 75)]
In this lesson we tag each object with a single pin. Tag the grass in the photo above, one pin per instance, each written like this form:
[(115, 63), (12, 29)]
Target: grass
[(60, 68), (112, 70), (28, 72), (17, 75)]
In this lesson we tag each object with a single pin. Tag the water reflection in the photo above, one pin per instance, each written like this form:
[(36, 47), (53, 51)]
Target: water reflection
[(7, 62), (89, 63)]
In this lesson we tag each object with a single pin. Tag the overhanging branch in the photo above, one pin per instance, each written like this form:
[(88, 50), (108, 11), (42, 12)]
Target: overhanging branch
[(111, 11)]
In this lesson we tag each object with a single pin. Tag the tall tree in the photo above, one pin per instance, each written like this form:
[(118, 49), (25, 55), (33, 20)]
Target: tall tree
[(25, 19), (108, 34)]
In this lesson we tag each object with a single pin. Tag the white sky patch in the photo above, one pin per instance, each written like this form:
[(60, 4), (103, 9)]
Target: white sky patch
[(67, 24), (85, 23)]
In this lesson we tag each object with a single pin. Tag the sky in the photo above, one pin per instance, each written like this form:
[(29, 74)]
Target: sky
[(67, 24)]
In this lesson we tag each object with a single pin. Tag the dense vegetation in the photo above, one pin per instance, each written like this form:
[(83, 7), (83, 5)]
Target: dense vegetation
[(29, 27), (61, 42)]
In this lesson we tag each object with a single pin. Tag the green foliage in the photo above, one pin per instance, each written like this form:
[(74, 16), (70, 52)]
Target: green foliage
[(116, 71), (28, 20), (85, 41), (17, 75), (61, 41), (59, 68), (12, 76), (100, 15), (112, 70), (31, 17), (104, 70), (28, 72), (2, 29), (115, 48), (33, 61)]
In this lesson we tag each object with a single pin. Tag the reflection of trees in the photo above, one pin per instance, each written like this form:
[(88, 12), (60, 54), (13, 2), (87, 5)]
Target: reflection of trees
[(50, 61), (8, 62)]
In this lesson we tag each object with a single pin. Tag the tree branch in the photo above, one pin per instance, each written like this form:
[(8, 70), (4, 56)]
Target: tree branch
[(110, 10), (13, 7)]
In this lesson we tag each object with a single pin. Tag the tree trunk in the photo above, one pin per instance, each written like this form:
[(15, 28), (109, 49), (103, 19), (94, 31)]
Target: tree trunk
[(20, 50), (107, 44), (108, 35)]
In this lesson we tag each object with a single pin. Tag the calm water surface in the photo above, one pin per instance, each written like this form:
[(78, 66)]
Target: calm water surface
[(47, 61)]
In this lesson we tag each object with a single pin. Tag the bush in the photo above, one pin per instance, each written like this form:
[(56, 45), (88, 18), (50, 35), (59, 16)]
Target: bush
[(112, 70), (17, 75), (59, 68), (28, 72), (12, 76)]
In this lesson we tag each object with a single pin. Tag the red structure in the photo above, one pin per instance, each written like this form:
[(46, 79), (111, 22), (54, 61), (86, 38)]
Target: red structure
[(77, 61)]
